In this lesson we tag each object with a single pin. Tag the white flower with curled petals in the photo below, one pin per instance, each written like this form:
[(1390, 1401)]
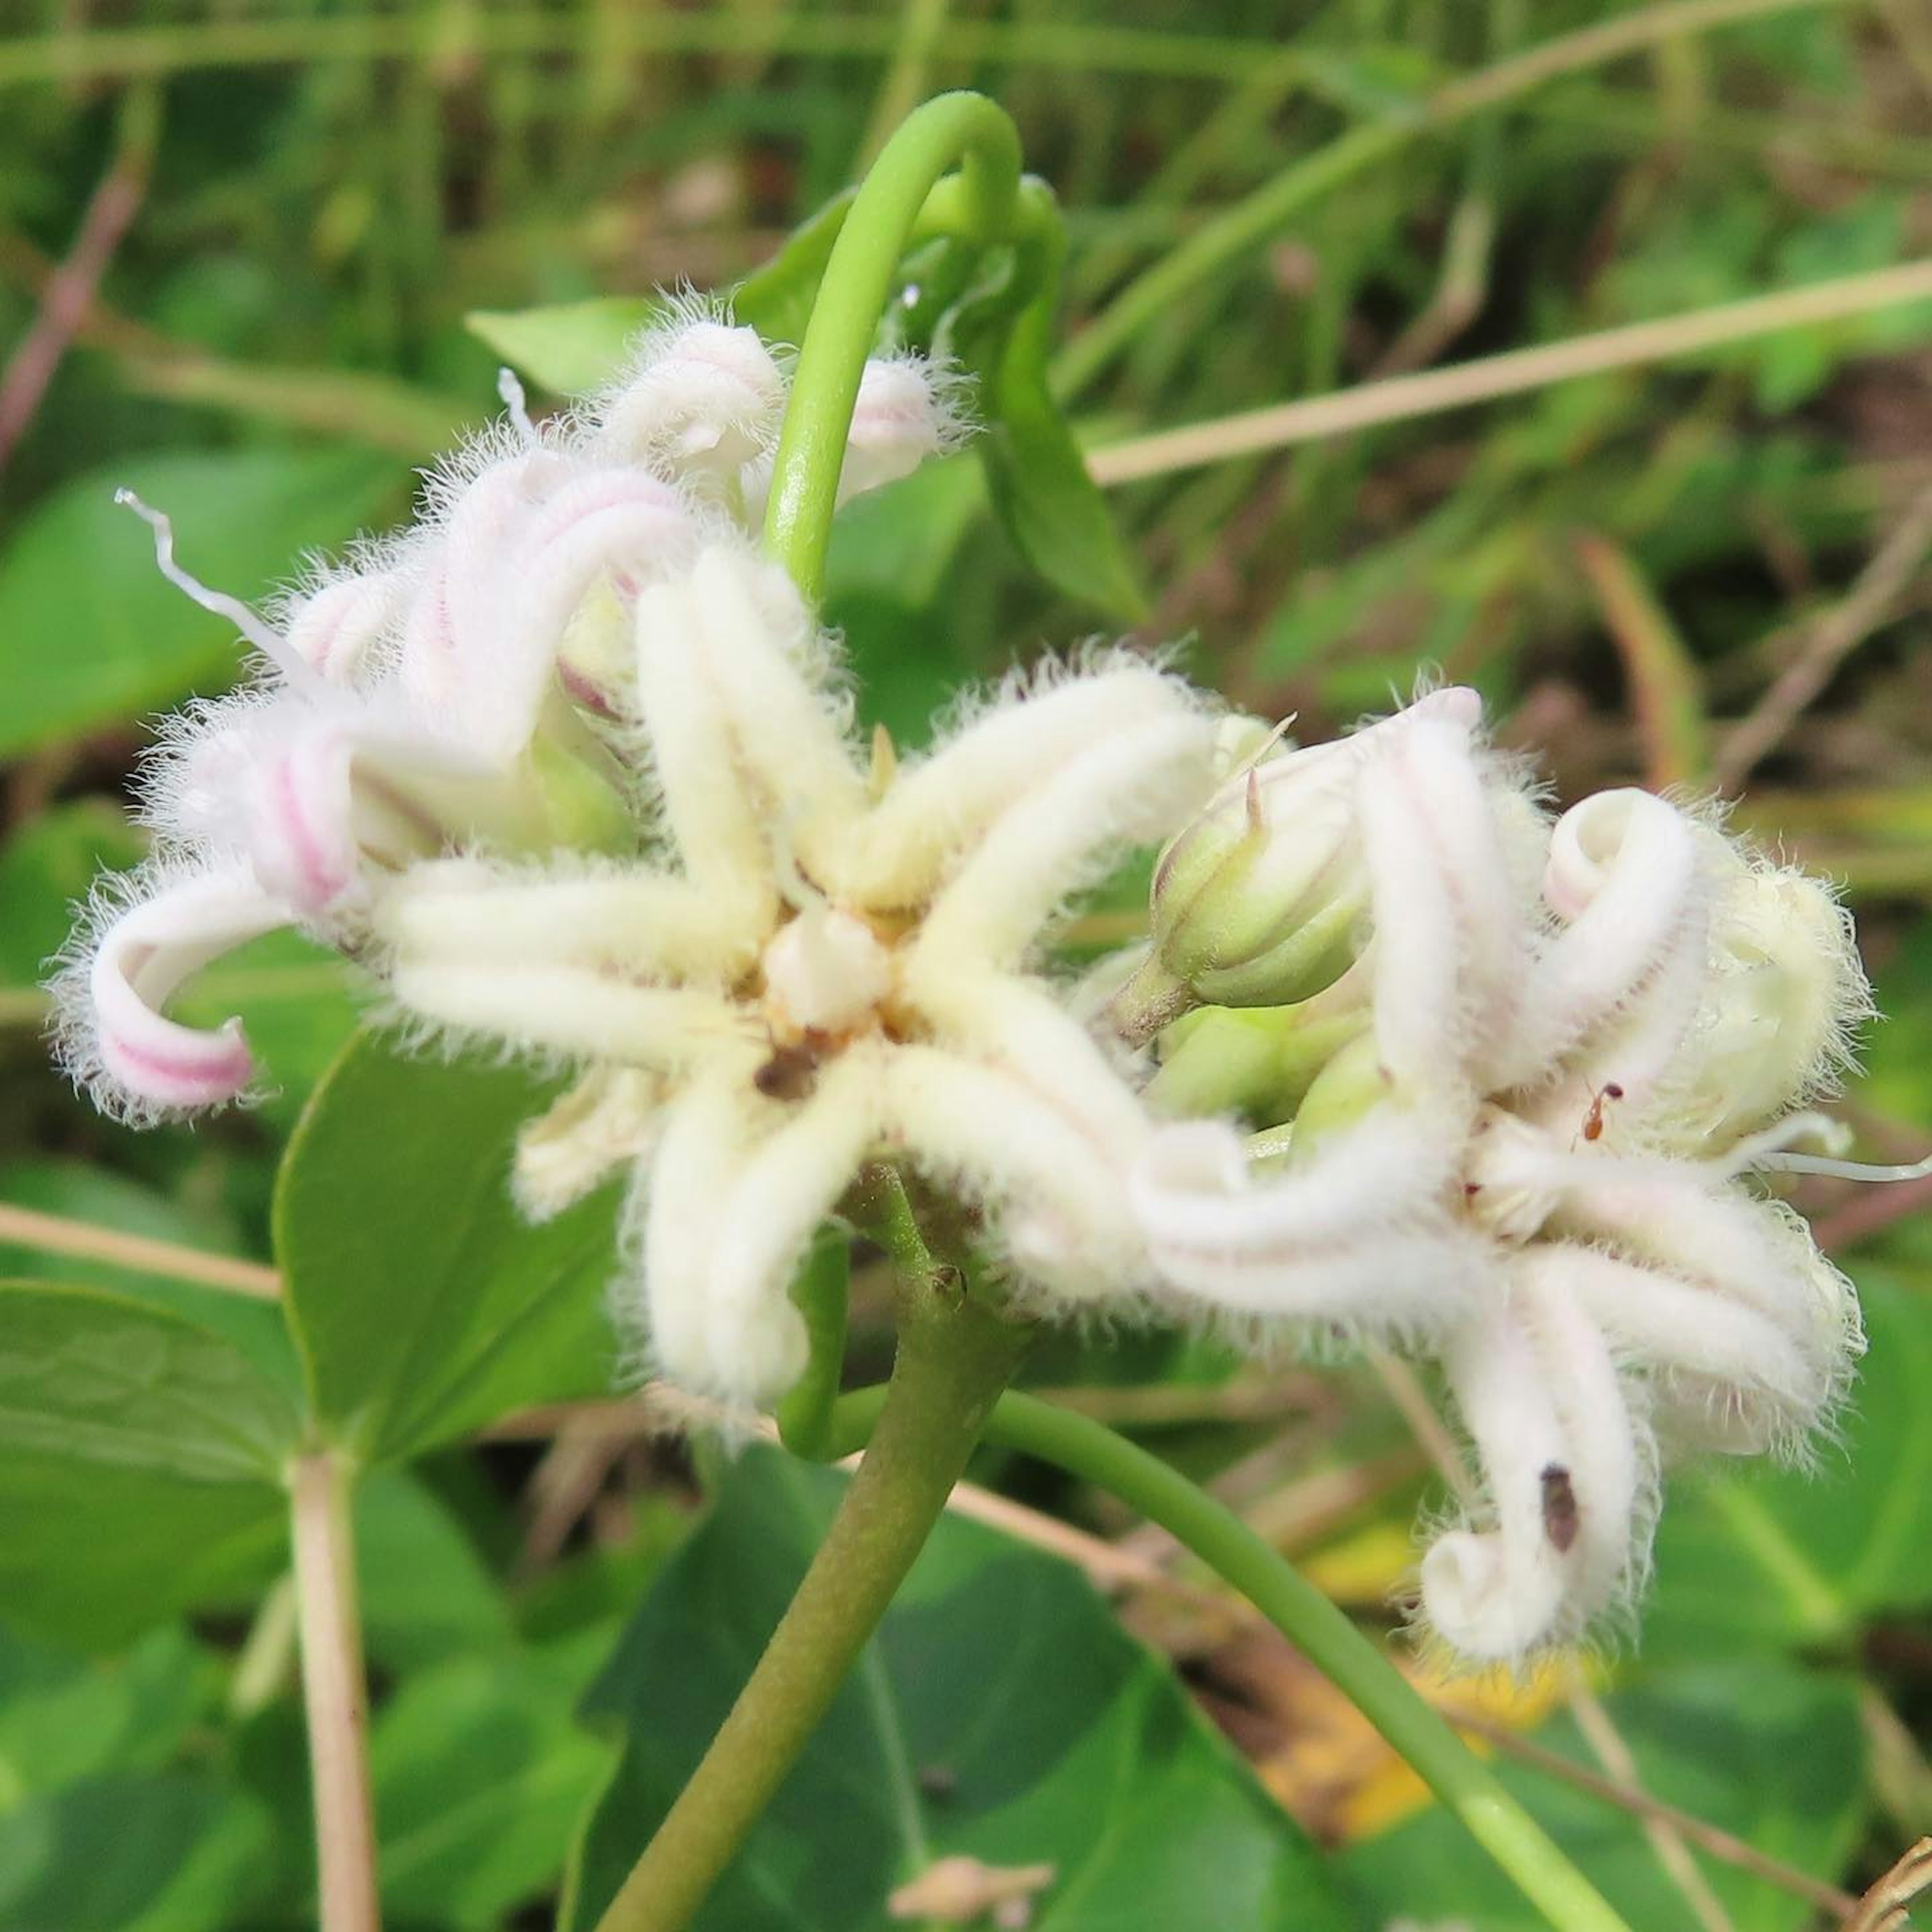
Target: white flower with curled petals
[(470, 686), (831, 963), (1530, 1161), (572, 772)]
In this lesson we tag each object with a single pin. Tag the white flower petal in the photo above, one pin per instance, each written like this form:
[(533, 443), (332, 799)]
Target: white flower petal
[(1056, 1190), (623, 919), (776, 1202), (941, 807), (700, 400), (1128, 788), (905, 412), (113, 1035)]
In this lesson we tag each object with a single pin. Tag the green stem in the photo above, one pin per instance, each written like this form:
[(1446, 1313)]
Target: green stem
[(1320, 1631), (955, 1356), (963, 128)]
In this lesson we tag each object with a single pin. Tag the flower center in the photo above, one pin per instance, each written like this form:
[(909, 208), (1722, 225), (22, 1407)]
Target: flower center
[(825, 974)]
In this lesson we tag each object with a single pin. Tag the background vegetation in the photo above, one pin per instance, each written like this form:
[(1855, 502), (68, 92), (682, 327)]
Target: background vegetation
[(243, 247)]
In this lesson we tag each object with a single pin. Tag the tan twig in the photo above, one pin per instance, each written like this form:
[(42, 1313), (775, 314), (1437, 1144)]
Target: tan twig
[(1513, 372), (334, 1694), (69, 293), (1707, 1837), (1667, 1841), (57, 1235), (1883, 1908), (1827, 640)]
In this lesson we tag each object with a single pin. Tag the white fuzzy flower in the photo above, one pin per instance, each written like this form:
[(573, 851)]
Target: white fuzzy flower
[(1531, 1164), (571, 771)]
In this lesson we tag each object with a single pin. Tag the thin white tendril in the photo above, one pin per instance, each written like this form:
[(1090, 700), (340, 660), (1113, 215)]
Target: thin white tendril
[(1843, 1170), (269, 643), (511, 391)]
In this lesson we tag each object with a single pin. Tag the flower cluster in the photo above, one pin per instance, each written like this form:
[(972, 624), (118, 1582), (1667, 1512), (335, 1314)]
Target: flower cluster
[(571, 770), (1513, 1116)]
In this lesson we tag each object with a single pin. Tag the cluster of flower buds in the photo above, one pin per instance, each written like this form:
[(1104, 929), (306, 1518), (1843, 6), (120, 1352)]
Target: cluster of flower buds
[(571, 771), (1509, 1095)]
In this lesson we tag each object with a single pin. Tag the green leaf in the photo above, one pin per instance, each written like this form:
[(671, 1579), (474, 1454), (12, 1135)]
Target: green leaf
[(105, 1199), (481, 1774), (175, 1853), (91, 634), (1001, 1713), (48, 864), (776, 300), (140, 1457), (571, 348), (423, 1303), (1785, 1557), (425, 1590), (1769, 1751), (64, 1717), (1052, 509), (294, 998)]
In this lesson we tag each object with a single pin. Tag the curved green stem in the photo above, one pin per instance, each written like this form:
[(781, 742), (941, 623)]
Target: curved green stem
[(963, 128), (955, 1356), (1323, 1634)]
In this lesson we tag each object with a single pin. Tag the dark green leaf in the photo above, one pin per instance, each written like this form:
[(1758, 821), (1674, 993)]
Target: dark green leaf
[(426, 1593), (1052, 509), (48, 864), (91, 633), (423, 1303), (110, 1200), (571, 348), (64, 1717), (1001, 1713), (140, 1457), (1767, 1750), (175, 1853), (481, 1773)]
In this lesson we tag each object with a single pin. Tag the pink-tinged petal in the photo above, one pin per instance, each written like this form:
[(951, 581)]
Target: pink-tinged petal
[(302, 838), (1448, 958), (906, 411), (114, 1036), (333, 629), (701, 400), (464, 587)]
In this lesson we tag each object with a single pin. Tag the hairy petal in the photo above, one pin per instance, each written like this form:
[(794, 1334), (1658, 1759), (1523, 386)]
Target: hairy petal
[(942, 806), (621, 920), (1054, 1189), (1565, 1465), (112, 1035), (775, 1203), (1632, 876), (1448, 959), (1357, 1237), (1130, 787)]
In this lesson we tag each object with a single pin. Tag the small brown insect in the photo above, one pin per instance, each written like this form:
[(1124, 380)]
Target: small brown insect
[(1559, 1507), (1593, 1121), (790, 1073)]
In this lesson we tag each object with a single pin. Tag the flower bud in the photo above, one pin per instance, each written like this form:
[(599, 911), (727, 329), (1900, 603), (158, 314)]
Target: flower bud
[(702, 400), (1262, 900), (1786, 989), (1257, 1061)]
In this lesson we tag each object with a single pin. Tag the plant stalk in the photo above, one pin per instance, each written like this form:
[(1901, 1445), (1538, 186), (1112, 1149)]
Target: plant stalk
[(954, 1358), (1316, 1627), (965, 128), (334, 1692)]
